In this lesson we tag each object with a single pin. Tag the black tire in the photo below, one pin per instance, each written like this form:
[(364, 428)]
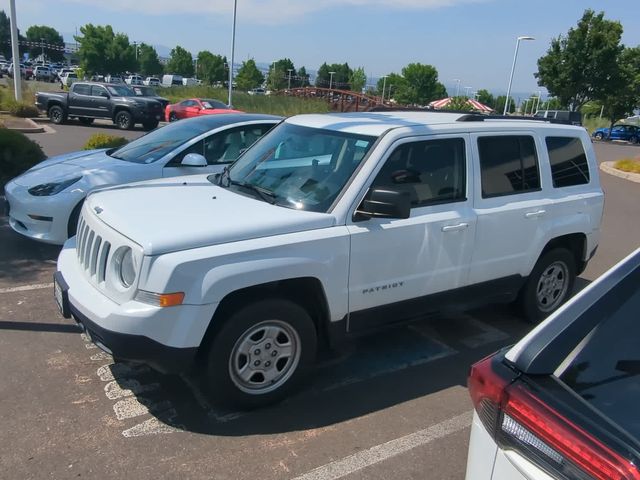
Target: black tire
[(173, 117), (243, 327), (124, 120), (633, 140), (57, 114), (72, 225), (85, 120), (150, 125), (549, 285), (598, 136)]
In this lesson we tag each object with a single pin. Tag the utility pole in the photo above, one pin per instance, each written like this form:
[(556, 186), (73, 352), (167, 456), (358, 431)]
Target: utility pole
[(15, 52), (233, 49)]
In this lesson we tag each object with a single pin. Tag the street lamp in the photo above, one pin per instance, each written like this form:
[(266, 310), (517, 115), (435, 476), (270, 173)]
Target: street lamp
[(513, 67), (233, 49), (384, 84), (331, 79), (457, 80), (289, 70)]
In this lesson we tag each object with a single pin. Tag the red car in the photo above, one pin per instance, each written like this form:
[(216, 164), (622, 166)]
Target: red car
[(194, 107)]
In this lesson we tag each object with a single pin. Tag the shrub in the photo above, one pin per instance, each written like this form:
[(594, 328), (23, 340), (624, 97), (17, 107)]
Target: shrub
[(101, 140), (628, 165), (17, 154), (21, 109)]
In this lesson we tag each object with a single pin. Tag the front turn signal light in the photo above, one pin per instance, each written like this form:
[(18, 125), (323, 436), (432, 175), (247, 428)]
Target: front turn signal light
[(160, 299)]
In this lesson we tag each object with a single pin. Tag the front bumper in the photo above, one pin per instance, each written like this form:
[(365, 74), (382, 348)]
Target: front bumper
[(167, 339), (45, 219)]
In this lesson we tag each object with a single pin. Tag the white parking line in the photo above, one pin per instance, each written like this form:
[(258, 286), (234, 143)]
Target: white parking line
[(25, 288), (380, 453)]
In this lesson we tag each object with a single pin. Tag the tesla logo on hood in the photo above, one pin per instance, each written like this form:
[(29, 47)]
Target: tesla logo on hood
[(98, 210)]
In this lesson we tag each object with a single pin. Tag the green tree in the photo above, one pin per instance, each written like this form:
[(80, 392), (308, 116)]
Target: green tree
[(460, 104), (5, 37), (500, 104), (302, 79), (358, 79), (103, 51), (341, 76), (486, 98), (395, 85), (624, 95), (211, 68), (180, 62), (148, 61), (50, 38), (249, 76), (278, 78), (420, 85), (577, 66)]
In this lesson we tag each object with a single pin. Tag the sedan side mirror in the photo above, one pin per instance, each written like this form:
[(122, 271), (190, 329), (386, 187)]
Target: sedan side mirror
[(384, 203), (193, 160)]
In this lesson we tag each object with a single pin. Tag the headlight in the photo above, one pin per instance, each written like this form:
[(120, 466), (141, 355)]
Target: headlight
[(47, 189), (127, 268)]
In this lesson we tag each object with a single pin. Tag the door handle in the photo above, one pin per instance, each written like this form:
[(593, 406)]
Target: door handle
[(453, 228), (539, 213)]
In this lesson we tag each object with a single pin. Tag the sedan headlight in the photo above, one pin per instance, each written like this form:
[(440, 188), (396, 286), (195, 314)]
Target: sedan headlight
[(48, 189), (127, 268)]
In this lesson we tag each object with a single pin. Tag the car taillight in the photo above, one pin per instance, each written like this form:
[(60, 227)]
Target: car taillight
[(519, 420)]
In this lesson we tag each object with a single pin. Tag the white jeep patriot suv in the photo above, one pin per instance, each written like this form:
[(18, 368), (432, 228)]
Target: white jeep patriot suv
[(331, 225)]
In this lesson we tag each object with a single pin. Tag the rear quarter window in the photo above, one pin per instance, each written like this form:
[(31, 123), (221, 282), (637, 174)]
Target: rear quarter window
[(568, 161)]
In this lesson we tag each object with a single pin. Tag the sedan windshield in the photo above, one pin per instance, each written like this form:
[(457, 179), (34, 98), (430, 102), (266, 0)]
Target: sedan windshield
[(120, 91), (156, 144), (214, 104), (300, 167)]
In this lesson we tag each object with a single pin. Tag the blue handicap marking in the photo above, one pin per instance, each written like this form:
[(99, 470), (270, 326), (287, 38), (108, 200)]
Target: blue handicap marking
[(380, 354)]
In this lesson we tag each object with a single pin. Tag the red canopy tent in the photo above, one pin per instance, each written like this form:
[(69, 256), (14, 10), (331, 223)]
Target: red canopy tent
[(476, 105)]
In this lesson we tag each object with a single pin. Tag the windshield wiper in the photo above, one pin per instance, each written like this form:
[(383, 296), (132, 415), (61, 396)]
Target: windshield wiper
[(265, 194)]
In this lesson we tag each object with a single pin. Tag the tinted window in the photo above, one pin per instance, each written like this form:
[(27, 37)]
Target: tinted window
[(97, 91), (508, 165), (568, 161), (431, 172), (82, 89), (605, 369)]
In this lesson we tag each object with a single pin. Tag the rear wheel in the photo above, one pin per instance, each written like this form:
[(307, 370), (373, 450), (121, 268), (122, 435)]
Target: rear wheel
[(124, 120), (57, 115), (549, 285), (85, 120), (261, 353)]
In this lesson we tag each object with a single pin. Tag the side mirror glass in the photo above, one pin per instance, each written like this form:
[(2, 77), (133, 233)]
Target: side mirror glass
[(384, 203), (194, 160)]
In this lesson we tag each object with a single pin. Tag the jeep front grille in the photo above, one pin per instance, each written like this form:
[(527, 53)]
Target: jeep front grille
[(93, 252)]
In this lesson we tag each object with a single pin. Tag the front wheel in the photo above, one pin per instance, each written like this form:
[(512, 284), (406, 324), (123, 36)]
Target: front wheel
[(57, 115), (261, 353), (633, 140), (124, 120), (599, 136), (549, 285), (173, 117)]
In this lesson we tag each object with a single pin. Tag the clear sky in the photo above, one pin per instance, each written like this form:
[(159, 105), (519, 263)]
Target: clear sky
[(470, 40)]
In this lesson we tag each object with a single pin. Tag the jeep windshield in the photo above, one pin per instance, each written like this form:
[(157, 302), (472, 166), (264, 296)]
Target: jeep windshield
[(156, 144), (299, 167)]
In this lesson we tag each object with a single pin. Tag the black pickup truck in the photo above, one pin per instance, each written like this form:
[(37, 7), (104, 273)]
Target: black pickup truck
[(87, 101)]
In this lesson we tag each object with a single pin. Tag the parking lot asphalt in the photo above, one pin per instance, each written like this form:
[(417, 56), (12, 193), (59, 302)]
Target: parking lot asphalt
[(390, 406)]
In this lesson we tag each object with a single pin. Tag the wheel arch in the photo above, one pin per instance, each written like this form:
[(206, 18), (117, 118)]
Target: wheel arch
[(576, 243), (307, 292)]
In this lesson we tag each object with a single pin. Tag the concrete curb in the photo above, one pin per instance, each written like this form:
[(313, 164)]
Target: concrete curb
[(34, 128), (608, 167)]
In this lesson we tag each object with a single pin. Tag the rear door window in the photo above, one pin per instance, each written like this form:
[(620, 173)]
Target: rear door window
[(82, 89), (508, 165), (568, 161)]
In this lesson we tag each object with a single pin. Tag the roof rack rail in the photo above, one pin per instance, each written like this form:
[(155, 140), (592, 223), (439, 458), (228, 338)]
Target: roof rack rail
[(475, 117), (380, 108)]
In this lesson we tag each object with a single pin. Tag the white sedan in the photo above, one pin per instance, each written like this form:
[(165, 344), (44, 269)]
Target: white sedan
[(44, 202)]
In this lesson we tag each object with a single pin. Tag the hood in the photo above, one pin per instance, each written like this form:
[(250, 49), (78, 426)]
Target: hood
[(167, 215), (95, 166), (147, 100)]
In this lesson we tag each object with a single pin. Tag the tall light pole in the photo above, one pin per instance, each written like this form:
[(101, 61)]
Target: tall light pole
[(233, 50), (513, 68), (42, 46), (384, 85), (15, 52), (467, 90), (457, 80), (135, 45), (331, 74), (289, 70)]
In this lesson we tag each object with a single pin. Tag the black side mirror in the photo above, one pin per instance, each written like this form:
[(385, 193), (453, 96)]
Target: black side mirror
[(384, 203)]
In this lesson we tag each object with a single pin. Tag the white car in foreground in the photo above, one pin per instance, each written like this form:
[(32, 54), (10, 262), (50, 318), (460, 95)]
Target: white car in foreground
[(563, 402), (44, 203)]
